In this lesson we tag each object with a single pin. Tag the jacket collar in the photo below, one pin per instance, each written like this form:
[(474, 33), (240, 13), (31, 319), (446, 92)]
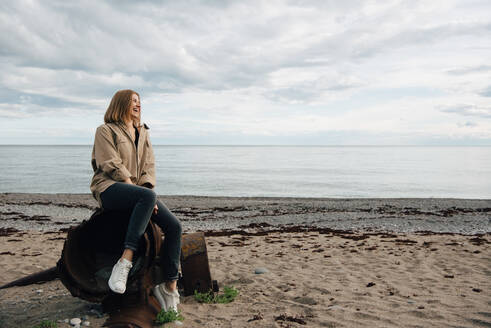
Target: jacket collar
[(125, 128)]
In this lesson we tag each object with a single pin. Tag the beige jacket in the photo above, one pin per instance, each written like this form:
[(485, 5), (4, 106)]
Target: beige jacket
[(116, 158)]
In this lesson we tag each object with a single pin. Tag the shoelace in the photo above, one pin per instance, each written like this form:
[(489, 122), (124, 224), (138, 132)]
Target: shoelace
[(123, 273)]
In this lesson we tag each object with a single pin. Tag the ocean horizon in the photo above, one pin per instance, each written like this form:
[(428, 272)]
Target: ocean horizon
[(347, 171)]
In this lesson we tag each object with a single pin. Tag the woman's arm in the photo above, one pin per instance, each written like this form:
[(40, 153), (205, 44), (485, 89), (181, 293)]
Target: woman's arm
[(107, 157), (148, 171)]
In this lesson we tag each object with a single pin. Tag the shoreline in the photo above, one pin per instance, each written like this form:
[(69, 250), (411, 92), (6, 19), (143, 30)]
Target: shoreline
[(52, 212), (44, 194)]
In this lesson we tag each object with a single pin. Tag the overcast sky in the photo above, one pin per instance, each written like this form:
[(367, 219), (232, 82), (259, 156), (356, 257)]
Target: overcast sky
[(250, 72)]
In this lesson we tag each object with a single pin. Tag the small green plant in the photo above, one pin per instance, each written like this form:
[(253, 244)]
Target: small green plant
[(47, 324), (168, 316), (229, 294), (204, 297)]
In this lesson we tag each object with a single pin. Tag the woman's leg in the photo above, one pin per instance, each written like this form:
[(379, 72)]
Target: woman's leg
[(171, 226), (167, 293), (123, 196)]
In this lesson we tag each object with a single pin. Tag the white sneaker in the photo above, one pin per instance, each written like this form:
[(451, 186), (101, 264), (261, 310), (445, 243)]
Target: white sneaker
[(119, 276), (158, 295), (167, 299)]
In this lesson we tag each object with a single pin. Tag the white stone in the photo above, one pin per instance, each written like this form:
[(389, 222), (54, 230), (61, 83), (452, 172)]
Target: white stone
[(260, 270), (86, 323), (75, 321)]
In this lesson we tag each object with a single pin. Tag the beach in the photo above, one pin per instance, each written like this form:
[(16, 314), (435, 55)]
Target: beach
[(329, 262)]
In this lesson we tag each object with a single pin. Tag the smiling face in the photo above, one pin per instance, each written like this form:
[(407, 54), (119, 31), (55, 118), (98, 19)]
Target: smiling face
[(135, 109)]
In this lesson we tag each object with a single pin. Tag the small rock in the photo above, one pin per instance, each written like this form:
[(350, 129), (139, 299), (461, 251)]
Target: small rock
[(370, 284), (75, 321), (334, 307), (477, 290), (411, 302), (86, 323), (260, 270), (39, 291)]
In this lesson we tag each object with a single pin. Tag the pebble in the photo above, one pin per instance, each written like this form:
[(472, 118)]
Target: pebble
[(86, 323), (75, 321), (260, 270), (334, 307)]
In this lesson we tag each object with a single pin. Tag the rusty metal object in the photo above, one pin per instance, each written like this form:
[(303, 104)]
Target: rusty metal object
[(35, 278), (89, 253), (194, 265), (140, 315), (92, 248)]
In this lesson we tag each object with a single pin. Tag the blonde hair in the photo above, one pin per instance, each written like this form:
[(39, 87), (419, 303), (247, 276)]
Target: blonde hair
[(119, 108)]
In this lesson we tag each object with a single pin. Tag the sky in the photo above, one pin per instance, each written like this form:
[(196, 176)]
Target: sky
[(227, 72)]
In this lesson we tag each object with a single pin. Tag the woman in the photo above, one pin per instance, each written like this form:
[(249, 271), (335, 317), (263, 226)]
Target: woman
[(124, 176)]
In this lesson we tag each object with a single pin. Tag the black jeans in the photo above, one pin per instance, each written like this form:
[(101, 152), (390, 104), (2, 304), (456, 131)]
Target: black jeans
[(141, 200)]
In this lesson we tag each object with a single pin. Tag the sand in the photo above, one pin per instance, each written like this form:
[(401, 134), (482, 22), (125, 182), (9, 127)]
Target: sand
[(318, 277)]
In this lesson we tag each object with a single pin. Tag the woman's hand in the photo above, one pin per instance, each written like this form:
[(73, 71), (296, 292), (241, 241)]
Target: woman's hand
[(155, 209)]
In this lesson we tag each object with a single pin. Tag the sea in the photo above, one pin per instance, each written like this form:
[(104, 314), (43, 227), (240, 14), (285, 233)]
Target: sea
[(268, 171)]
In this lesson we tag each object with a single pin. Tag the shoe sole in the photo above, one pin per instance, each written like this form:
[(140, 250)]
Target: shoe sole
[(111, 286)]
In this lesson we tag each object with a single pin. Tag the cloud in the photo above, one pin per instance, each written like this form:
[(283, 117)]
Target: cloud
[(467, 124), (486, 92), (468, 110), (470, 70), (251, 68)]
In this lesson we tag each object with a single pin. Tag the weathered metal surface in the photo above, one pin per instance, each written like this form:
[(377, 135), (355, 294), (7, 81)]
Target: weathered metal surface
[(192, 244), (137, 310), (92, 248), (194, 264), (35, 278), (141, 315)]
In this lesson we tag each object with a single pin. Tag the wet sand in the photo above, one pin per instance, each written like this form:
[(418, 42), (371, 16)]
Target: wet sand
[(321, 273)]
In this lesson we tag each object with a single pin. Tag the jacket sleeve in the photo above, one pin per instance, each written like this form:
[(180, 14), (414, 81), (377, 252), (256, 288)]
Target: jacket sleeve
[(148, 171), (107, 157)]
